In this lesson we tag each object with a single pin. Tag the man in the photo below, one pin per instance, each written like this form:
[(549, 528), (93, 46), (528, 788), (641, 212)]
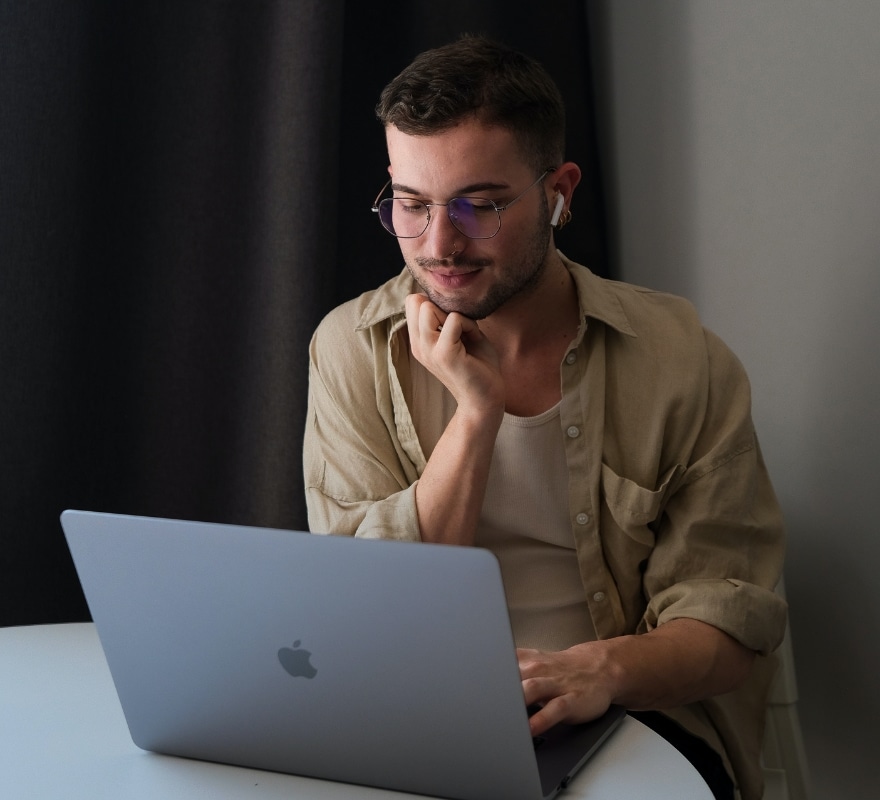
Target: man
[(592, 434)]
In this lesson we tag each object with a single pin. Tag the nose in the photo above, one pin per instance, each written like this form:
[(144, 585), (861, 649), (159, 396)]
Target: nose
[(443, 239)]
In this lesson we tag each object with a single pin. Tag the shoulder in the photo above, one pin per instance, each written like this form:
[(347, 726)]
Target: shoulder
[(647, 306), (636, 319), (654, 334), (667, 327)]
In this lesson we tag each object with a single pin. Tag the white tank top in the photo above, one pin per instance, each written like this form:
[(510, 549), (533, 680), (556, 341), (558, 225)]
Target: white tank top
[(525, 518)]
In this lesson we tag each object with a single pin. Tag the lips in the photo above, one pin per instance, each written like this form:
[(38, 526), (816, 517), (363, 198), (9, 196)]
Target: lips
[(454, 280), (451, 273)]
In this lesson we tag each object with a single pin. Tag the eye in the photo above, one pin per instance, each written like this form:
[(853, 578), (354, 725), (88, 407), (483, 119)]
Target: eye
[(470, 207), (477, 205), (410, 206)]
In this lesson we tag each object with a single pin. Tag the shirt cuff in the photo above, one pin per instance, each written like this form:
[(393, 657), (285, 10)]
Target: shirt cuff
[(751, 614)]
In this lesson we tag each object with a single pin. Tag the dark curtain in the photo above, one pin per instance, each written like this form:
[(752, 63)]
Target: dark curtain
[(184, 192)]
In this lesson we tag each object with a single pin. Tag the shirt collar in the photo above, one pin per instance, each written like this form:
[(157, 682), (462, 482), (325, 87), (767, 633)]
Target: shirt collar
[(596, 296), (388, 302)]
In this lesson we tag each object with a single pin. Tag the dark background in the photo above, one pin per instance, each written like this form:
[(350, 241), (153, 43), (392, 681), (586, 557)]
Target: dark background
[(184, 192)]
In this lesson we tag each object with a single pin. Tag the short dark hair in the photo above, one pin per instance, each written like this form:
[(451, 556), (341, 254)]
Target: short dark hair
[(482, 79)]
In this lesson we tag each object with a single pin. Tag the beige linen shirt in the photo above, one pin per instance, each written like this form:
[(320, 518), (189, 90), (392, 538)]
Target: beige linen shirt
[(670, 505)]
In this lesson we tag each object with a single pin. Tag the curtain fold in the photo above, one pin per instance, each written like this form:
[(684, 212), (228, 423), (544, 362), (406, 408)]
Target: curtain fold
[(184, 192)]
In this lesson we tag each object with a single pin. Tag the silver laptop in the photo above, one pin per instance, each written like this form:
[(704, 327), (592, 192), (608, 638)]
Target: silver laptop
[(381, 663)]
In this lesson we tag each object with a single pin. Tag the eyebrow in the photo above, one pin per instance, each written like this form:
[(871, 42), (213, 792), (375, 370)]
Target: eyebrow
[(482, 186)]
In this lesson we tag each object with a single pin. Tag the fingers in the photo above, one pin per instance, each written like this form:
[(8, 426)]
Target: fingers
[(427, 316), (422, 315), (423, 321), (429, 325), (562, 688), (455, 350), (547, 716), (539, 690)]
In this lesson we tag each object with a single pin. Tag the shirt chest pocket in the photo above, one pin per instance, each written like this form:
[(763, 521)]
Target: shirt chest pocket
[(633, 507)]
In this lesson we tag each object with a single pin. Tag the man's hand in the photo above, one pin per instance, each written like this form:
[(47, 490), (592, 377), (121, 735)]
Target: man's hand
[(680, 662), (450, 491), (569, 686), (453, 348)]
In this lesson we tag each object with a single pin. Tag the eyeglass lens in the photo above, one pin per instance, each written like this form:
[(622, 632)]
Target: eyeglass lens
[(476, 219)]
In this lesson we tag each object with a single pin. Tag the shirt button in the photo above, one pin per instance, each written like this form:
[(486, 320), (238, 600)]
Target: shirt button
[(599, 597), (573, 432), (571, 358), (582, 518)]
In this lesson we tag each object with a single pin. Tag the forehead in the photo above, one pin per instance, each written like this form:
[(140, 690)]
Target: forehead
[(461, 156)]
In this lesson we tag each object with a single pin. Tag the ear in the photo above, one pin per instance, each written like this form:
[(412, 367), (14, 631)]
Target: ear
[(564, 180)]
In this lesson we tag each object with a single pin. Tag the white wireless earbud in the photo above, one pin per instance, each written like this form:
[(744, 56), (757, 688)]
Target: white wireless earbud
[(557, 212)]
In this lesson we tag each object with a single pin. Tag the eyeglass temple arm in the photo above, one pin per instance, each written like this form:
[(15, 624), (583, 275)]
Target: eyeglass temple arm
[(375, 207), (541, 177)]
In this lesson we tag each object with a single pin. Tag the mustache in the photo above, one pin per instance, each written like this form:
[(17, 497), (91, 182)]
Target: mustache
[(456, 261)]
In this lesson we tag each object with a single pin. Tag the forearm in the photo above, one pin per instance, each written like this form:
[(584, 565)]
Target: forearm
[(681, 662), (677, 663), (450, 492)]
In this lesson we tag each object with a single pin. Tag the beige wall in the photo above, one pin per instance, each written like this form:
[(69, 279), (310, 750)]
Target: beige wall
[(743, 140)]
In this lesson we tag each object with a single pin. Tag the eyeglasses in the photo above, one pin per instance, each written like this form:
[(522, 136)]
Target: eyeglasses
[(475, 217)]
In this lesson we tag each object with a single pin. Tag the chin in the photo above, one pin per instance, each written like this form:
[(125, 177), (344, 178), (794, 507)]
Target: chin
[(449, 305)]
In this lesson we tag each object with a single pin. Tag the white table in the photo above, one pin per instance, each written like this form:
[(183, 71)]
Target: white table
[(63, 735)]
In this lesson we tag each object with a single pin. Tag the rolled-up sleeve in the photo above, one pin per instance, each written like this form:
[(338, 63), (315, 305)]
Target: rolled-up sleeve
[(359, 481), (719, 545)]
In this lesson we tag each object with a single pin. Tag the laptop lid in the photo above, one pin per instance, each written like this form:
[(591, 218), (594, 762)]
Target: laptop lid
[(382, 663)]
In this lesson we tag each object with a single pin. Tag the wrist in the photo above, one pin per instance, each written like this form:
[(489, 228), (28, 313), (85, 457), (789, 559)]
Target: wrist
[(606, 667), (480, 417)]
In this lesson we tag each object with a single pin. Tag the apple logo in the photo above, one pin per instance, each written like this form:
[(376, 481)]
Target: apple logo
[(296, 661)]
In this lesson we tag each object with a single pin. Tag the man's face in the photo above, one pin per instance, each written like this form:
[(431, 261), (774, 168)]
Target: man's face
[(475, 277)]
